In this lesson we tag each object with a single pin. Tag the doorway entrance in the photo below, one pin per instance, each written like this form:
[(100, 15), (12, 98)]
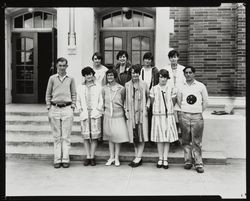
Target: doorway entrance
[(33, 61), (135, 42)]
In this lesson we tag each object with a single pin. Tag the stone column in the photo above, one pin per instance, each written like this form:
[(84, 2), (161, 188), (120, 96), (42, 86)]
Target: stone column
[(164, 26), (80, 55)]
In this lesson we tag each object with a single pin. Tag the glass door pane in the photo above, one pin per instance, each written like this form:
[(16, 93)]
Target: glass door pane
[(111, 43), (140, 43), (24, 67)]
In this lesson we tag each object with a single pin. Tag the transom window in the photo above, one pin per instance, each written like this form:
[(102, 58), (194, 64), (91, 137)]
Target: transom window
[(130, 18), (37, 19)]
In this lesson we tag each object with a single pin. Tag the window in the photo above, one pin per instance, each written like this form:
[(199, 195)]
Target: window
[(140, 45), (130, 18), (24, 65), (112, 46), (37, 19)]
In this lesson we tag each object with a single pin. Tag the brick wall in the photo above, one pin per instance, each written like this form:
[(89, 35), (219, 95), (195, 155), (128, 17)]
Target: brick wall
[(212, 39), (179, 40), (240, 55)]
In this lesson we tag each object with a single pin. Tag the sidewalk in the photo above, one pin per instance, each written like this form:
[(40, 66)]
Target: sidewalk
[(39, 178)]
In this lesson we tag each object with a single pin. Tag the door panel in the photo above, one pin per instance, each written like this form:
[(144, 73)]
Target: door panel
[(111, 44), (53, 69), (44, 63), (136, 43), (24, 67), (33, 61), (139, 42)]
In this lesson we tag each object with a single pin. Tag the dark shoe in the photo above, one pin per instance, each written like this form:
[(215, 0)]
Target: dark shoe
[(188, 166), (165, 164), (200, 169), (57, 165), (130, 164), (86, 162), (65, 165), (159, 163), (92, 162), (136, 164)]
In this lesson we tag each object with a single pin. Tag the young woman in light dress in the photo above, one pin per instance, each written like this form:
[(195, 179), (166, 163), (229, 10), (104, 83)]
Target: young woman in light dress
[(99, 69), (163, 130), (114, 124), (89, 103)]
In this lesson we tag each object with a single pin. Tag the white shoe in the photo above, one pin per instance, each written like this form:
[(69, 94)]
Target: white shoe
[(110, 161), (117, 162)]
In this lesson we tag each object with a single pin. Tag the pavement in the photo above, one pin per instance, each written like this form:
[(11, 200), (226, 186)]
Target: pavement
[(28, 177)]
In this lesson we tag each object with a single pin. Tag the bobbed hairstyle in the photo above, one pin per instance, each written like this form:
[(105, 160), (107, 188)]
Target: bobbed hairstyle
[(136, 68), (148, 55), (164, 73), (98, 55), (120, 53), (172, 53), (87, 71), (112, 71), (191, 67)]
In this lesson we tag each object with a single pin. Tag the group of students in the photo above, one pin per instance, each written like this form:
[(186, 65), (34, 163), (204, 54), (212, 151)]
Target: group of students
[(128, 103)]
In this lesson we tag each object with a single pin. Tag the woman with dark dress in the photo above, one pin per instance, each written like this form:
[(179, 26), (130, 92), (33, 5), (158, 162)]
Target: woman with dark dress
[(149, 74), (123, 68)]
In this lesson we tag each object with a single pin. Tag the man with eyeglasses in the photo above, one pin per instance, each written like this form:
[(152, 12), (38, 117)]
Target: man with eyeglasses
[(61, 102), (192, 98)]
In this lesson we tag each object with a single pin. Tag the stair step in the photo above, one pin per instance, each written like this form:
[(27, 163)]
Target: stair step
[(102, 154), (27, 113), (36, 138), (32, 120), (31, 113), (28, 135), (76, 141), (32, 132), (35, 128)]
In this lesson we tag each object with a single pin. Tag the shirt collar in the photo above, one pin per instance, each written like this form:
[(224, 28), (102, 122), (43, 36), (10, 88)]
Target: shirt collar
[(63, 76), (90, 85), (194, 82)]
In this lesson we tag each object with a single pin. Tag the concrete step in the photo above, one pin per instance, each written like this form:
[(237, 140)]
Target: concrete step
[(38, 138), (32, 120), (28, 135), (36, 129), (102, 154), (31, 113), (44, 140)]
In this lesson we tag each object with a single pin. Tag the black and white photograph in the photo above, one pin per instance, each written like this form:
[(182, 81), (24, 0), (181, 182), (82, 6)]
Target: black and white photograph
[(125, 100)]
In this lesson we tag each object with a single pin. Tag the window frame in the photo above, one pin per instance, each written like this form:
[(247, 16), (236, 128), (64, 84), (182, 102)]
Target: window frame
[(43, 28), (130, 27)]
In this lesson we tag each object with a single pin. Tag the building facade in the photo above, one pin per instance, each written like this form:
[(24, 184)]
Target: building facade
[(212, 39)]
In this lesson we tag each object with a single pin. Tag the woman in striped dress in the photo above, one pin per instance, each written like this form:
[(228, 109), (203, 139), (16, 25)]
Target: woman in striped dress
[(163, 129)]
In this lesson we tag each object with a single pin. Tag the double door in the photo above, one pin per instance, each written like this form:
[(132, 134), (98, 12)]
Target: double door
[(33, 61), (136, 43)]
